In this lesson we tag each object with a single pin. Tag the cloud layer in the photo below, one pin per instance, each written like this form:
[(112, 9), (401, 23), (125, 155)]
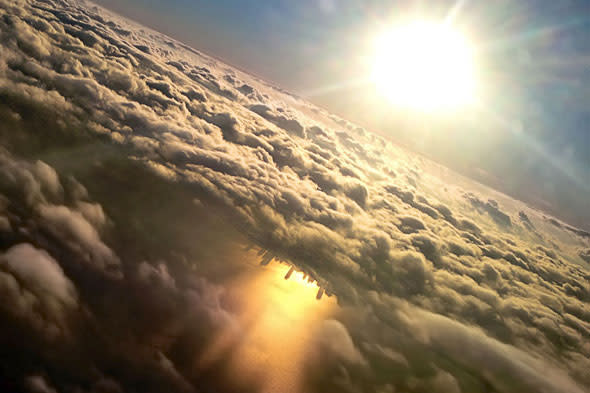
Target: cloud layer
[(133, 171)]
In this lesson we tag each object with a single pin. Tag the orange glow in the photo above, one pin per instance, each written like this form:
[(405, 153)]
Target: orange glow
[(299, 278), (279, 317)]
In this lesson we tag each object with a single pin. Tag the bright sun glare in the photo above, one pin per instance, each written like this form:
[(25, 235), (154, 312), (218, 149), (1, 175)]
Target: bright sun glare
[(424, 66)]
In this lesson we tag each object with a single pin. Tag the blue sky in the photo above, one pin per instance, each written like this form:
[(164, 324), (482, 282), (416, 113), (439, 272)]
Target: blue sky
[(531, 136)]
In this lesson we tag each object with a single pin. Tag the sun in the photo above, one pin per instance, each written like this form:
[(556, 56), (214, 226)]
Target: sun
[(424, 66)]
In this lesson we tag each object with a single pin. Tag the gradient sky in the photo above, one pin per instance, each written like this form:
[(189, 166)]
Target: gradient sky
[(529, 135)]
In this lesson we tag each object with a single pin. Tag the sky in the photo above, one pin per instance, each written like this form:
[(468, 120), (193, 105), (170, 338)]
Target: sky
[(528, 136)]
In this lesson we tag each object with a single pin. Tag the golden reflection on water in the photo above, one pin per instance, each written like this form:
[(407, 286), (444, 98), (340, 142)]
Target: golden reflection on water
[(277, 321)]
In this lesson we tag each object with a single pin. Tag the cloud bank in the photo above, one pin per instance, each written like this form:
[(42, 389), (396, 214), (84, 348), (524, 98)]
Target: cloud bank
[(134, 170)]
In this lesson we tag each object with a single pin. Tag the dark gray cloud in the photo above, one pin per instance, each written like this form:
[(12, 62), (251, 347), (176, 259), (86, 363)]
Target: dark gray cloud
[(134, 170), (36, 290)]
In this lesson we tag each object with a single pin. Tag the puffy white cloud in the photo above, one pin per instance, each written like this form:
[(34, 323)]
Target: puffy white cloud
[(506, 368), (40, 273), (78, 233), (333, 341), (38, 384), (36, 289)]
